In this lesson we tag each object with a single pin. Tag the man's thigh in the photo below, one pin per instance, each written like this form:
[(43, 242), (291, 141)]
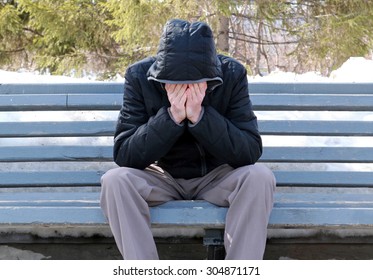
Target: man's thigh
[(152, 184), (222, 190)]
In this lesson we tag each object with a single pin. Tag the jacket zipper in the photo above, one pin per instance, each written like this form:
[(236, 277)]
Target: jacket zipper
[(203, 159)]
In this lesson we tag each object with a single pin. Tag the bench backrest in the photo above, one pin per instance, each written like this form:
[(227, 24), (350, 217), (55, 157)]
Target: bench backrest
[(314, 152)]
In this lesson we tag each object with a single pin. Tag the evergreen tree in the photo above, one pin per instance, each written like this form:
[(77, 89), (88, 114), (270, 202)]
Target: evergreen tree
[(335, 30), (105, 36), (13, 36)]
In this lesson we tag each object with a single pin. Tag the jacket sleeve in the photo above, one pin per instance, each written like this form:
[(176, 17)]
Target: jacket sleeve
[(233, 137), (141, 139)]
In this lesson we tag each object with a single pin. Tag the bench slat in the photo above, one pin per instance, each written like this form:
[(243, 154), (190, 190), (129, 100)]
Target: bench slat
[(277, 102), (316, 128), (51, 215), (311, 88), (55, 153), (60, 102), (106, 128), (318, 154), (169, 215), (50, 178), (105, 153), (341, 198), (92, 178), (324, 178), (32, 102), (291, 102), (312, 217), (254, 87), (71, 88), (57, 129)]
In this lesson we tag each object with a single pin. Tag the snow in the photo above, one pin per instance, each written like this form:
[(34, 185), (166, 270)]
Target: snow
[(355, 69), (24, 76), (11, 253)]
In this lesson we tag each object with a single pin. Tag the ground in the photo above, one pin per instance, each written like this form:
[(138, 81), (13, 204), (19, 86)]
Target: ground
[(181, 249)]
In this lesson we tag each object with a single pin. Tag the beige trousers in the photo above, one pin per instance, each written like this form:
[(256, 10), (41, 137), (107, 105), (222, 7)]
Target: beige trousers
[(248, 191)]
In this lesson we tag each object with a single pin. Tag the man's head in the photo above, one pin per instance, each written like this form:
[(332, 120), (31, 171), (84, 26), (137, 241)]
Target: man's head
[(186, 55)]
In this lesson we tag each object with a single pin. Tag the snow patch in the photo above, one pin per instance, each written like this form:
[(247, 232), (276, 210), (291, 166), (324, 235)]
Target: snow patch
[(10, 253)]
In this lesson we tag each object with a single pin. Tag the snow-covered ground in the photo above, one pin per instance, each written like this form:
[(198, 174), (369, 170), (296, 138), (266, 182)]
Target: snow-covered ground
[(355, 69)]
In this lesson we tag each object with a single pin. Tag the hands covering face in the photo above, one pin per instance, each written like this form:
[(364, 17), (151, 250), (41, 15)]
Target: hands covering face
[(186, 100)]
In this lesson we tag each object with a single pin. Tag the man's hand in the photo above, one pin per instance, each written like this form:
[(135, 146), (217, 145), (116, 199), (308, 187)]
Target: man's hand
[(177, 96), (195, 95), (186, 100)]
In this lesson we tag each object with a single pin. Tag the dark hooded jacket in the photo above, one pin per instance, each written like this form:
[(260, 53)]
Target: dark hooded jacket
[(227, 132)]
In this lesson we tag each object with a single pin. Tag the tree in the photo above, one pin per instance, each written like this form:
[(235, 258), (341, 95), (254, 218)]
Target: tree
[(138, 24), (310, 35), (13, 38), (105, 36), (335, 31), (58, 36)]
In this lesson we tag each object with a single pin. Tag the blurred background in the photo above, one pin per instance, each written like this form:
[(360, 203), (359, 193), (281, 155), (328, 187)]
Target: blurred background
[(81, 37)]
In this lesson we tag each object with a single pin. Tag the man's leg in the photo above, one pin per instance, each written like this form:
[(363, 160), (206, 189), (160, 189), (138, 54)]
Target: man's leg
[(248, 191), (125, 197)]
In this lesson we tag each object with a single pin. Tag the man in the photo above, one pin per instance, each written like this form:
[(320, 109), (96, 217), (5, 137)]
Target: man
[(186, 130)]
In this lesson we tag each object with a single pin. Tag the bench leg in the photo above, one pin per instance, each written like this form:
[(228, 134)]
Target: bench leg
[(214, 241)]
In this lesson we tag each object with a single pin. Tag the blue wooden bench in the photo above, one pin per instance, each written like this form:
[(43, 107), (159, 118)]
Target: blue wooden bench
[(50, 168)]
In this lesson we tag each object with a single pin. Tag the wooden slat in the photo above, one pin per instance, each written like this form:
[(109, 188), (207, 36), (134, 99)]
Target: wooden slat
[(303, 102), (316, 128), (313, 217), (106, 128), (319, 217), (324, 178), (188, 213), (341, 198), (306, 217), (32, 102), (51, 215), (56, 197), (170, 213), (311, 88), (318, 154), (94, 101), (58, 88), (92, 178), (50, 178), (104, 153), (277, 102), (60, 102), (254, 87), (55, 153), (57, 129)]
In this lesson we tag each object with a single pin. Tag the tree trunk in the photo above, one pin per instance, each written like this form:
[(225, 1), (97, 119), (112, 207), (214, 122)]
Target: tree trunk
[(223, 34)]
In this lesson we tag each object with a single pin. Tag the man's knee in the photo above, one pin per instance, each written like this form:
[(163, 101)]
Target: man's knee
[(110, 177), (259, 177), (115, 179), (263, 173), (260, 172)]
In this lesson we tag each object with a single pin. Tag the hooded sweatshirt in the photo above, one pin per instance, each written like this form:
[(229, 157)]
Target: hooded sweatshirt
[(186, 54), (227, 132)]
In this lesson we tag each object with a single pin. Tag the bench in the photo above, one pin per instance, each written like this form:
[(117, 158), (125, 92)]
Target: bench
[(51, 164)]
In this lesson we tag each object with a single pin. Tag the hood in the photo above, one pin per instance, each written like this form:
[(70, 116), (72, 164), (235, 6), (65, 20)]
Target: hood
[(186, 54)]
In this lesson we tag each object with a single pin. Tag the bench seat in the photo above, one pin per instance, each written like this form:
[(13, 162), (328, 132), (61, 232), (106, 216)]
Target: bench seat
[(291, 210)]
